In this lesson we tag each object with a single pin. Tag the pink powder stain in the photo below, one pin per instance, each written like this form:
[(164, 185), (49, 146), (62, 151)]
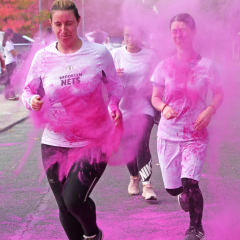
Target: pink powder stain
[(146, 224), (90, 120), (10, 144)]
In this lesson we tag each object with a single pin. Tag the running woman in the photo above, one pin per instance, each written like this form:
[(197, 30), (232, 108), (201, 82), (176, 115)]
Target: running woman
[(182, 133), (69, 73), (135, 65), (11, 63)]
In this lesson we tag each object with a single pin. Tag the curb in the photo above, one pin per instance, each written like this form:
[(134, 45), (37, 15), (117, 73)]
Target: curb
[(13, 124)]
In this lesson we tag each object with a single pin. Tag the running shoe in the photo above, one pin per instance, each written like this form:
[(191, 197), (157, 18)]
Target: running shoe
[(15, 98), (99, 236), (194, 233), (148, 192), (133, 187), (183, 201)]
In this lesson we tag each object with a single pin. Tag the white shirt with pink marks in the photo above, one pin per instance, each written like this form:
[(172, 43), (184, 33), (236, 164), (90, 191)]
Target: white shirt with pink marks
[(186, 87), (138, 68), (72, 86)]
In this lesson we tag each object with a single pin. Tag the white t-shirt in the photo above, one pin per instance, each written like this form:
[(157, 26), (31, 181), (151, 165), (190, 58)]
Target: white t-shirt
[(138, 68), (73, 87), (186, 87), (7, 51)]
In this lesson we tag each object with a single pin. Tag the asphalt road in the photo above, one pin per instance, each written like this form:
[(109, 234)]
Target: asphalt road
[(28, 209)]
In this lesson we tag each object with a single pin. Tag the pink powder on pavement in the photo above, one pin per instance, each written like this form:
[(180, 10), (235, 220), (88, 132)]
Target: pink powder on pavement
[(9, 144)]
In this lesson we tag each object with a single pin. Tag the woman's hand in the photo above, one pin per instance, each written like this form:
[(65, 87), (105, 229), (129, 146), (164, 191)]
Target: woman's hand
[(36, 103), (204, 119), (120, 71), (14, 52), (117, 117), (169, 113)]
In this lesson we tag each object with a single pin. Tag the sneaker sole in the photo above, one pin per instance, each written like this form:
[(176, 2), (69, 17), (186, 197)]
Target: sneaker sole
[(151, 198), (132, 194)]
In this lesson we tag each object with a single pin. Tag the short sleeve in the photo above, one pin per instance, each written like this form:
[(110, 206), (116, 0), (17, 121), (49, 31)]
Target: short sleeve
[(158, 78), (215, 80), (9, 46)]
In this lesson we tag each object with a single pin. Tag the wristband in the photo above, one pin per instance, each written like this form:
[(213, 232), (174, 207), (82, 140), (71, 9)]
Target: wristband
[(214, 109), (164, 107)]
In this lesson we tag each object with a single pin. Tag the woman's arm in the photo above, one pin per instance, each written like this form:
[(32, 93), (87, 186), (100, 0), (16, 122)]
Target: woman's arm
[(168, 112), (205, 117), (114, 86), (31, 97), (14, 52), (157, 96)]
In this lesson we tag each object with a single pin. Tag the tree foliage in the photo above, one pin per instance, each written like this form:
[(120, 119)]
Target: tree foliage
[(22, 16)]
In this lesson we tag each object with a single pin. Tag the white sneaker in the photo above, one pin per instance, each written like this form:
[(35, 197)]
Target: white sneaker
[(148, 192), (133, 187)]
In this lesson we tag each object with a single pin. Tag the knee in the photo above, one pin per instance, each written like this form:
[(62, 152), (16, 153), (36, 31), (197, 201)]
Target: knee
[(175, 191), (189, 183), (73, 203), (62, 207)]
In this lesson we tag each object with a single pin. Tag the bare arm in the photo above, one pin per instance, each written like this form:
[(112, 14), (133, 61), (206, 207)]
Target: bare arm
[(205, 117), (14, 52), (168, 112), (218, 96), (157, 98)]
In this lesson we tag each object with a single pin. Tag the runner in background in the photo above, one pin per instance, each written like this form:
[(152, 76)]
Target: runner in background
[(96, 36), (48, 36), (80, 134), (135, 65), (182, 132), (11, 63)]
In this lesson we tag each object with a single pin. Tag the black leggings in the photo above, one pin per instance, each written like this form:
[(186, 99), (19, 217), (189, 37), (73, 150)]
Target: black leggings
[(9, 90), (77, 211), (142, 163), (191, 188)]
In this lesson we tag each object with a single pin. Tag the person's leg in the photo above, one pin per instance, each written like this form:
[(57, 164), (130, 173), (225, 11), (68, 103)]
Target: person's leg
[(195, 198), (144, 158), (129, 142), (175, 191), (133, 168), (133, 186), (71, 226), (170, 157), (7, 84), (9, 90), (193, 158), (79, 184)]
